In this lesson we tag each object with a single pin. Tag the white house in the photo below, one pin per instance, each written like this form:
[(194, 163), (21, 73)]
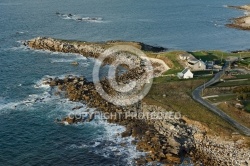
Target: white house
[(196, 65), (185, 74)]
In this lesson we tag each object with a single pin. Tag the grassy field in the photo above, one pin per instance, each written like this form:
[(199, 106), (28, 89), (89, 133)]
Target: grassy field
[(176, 96), (243, 76), (231, 83), (217, 55), (174, 57), (237, 114), (172, 71), (245, 62), (222, 98), (166, 79), (204, 55)]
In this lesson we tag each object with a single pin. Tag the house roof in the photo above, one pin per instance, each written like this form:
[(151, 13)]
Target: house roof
[(193, 62), (185, 71)]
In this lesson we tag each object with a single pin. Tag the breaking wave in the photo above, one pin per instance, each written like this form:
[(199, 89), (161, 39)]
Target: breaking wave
[(108, 143)]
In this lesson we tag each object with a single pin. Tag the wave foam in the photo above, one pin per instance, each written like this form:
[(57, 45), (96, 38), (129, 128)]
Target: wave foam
[(113, 145), (26, 103)]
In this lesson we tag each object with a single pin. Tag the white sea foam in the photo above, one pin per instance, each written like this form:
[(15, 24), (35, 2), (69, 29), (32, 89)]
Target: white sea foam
[(115, 145), (26, 103), (110, 144), (72, 59), (74, 146), (247, 13), (21, 47), (42, 82)]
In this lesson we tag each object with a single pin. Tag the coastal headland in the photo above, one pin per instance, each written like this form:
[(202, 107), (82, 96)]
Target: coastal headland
[(199, 135)]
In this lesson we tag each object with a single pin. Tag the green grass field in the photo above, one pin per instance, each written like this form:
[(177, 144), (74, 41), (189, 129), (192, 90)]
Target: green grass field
[(222, 98), (245, 62), (233, 83), (217, 55), (246, 76), (173, 56), (172, 71)]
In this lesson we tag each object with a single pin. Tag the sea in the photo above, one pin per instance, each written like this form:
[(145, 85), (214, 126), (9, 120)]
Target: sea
[(28, 108)]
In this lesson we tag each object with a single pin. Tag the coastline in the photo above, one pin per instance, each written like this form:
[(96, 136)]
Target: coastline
[(168, 140)]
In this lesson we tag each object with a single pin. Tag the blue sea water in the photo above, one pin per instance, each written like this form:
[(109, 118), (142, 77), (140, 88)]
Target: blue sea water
[(28, 134)]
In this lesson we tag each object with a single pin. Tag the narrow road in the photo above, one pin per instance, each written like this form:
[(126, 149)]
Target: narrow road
[(197, 97)]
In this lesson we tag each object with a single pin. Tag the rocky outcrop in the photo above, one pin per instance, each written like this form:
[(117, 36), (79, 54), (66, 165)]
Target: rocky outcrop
[(244, 7), (86, 49), (94, 50), (243, 22)]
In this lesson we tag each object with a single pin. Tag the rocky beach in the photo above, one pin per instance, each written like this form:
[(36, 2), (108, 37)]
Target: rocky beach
[(169, 139)]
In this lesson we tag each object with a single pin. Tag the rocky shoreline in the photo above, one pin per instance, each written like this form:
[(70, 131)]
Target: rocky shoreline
[(166, 139), (243, 22)]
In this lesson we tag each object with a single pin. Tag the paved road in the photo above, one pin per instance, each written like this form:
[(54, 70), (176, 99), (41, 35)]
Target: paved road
[(197, 97)]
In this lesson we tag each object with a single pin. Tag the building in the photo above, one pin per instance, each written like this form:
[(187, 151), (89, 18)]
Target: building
[(184, 56), (195, 65), (185, 74), (210, 64)]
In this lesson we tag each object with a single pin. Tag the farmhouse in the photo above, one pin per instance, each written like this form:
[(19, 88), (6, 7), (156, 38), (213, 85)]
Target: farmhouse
[(185, 74)]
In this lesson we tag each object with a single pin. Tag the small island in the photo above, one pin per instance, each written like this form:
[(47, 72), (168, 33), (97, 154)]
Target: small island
[(243, 22)]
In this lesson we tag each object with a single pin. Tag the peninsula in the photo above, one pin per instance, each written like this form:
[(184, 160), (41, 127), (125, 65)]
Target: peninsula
[(198, 134)]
